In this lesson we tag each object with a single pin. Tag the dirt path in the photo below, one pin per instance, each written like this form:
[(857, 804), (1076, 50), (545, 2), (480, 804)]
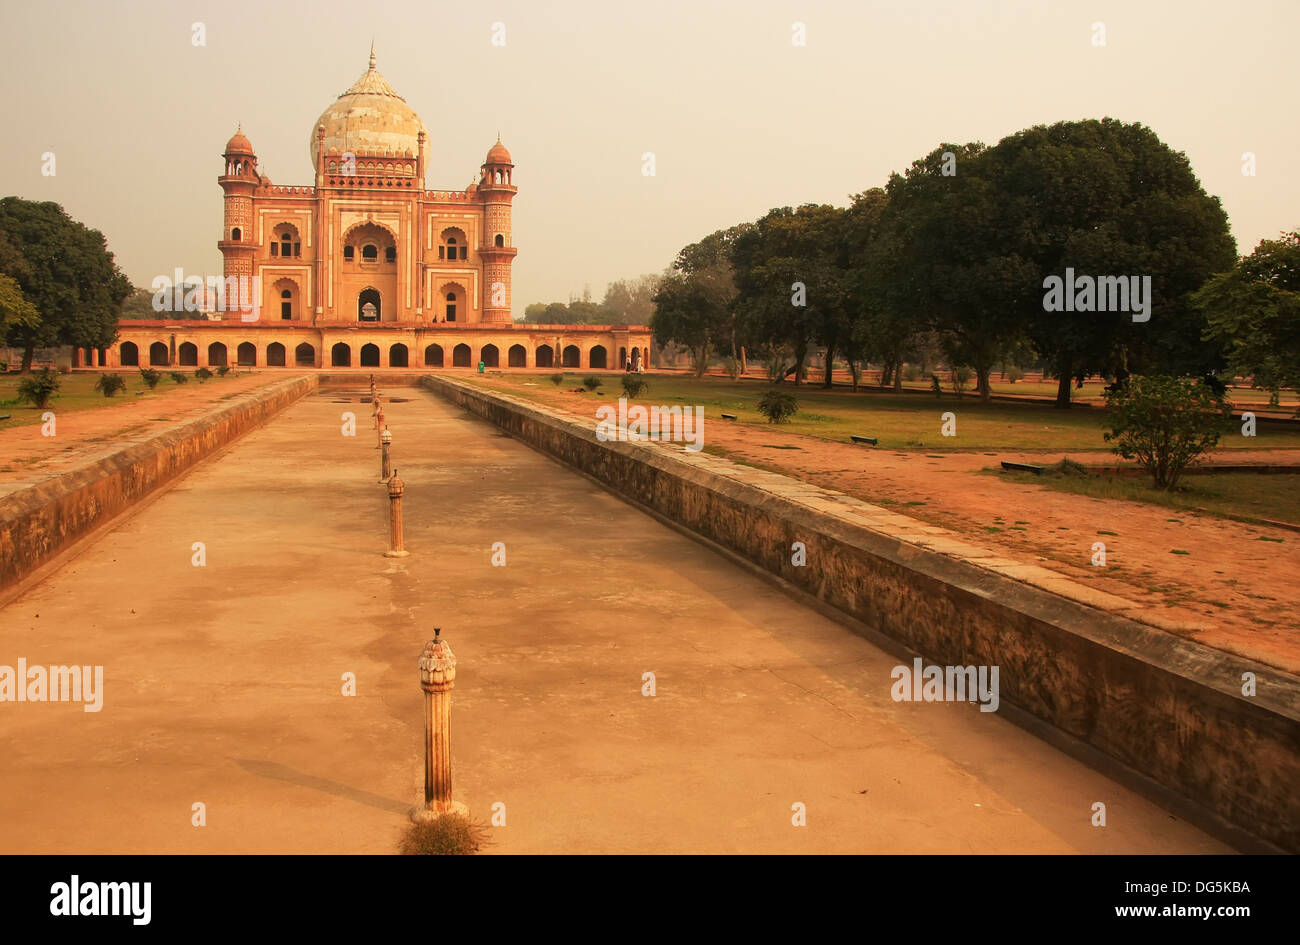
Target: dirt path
[(1231, 590)]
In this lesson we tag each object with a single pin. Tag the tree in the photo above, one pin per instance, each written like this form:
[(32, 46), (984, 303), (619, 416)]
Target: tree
[(1165, 423), (948, 262), (66, 272), (792, 281), (1253, 312), (15, 310), (695, 302), (630, 301), (1107, 198)]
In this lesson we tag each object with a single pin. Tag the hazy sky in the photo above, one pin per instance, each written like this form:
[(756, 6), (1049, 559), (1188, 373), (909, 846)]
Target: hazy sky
[(739, 118)]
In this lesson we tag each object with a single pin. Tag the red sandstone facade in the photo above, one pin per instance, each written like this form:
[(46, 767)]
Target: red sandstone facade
[(367, 268)]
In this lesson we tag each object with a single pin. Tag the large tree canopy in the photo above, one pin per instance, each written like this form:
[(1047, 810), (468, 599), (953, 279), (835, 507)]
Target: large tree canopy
[(1254, 313), (1109, 198), (65, 271)]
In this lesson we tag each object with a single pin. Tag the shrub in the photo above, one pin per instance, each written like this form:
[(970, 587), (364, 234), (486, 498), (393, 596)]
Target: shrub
[(557, 379), (634, 385), (591, 382), (202, 374), (450, 834), (39, 388), (222, 371), (150, 377), (935, 386), (1165, 423), (1014, 374), (778, 406), (179, 378), (960, 379), (731, 366), (110, 384)]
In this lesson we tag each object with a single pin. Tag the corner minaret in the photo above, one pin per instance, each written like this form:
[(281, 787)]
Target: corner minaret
[(240, 179), (496, 190)]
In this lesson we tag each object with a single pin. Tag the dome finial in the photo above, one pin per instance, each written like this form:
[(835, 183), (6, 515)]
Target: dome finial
[(372, 55)]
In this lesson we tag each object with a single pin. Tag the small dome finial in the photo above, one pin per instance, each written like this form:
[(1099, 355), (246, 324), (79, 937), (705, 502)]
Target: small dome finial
[(372, 55)]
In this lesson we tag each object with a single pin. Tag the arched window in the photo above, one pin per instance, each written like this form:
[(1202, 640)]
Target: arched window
[(370, 252), (451, 306), (501, 240), (286, 305), (236, 235), (390, 254), (129, 354), (305, 355), (286, 244), (347, 253)]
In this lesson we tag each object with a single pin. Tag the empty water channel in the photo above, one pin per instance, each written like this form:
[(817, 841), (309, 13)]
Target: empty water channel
[(222, 682)]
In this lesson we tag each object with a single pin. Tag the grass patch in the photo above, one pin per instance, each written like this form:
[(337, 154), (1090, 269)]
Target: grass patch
[(1249, 496), (899, 421)]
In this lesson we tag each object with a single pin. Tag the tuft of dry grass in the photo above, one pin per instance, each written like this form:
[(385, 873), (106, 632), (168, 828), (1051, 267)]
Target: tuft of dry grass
[(449, 835)]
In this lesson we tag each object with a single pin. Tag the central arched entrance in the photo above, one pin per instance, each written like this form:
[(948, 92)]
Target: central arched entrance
[(340, 355), (368, 305)]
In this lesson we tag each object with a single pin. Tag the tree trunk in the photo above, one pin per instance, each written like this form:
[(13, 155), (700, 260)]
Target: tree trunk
[(800, 355), (744, 361), (898, 375), (28, 354), (982, 383), (830, 361), (1063, 384), (886, 367)]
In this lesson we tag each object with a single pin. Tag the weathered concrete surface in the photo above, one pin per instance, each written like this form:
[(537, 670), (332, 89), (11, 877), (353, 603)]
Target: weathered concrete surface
[(223, 682), (39, 521), (1163, 706)]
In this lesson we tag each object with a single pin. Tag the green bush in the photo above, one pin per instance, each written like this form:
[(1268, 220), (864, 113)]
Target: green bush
[(1014, 374), (1165, 423), (150, 377), (178, 377), (731, 366), (778, 406), (202, 374), (634, 385), (557, 379), (110, 384), (591, 382), (222, 371), (935, 386), (450, 834), (39, 388), (961, 378)]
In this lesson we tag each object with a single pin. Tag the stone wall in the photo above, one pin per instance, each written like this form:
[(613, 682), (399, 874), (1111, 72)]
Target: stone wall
[(1162, 706), (38, 522)]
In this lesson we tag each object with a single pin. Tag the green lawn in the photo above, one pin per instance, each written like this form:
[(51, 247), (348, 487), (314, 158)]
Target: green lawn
[(76, 392), (900, 421), (1244, 495)]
